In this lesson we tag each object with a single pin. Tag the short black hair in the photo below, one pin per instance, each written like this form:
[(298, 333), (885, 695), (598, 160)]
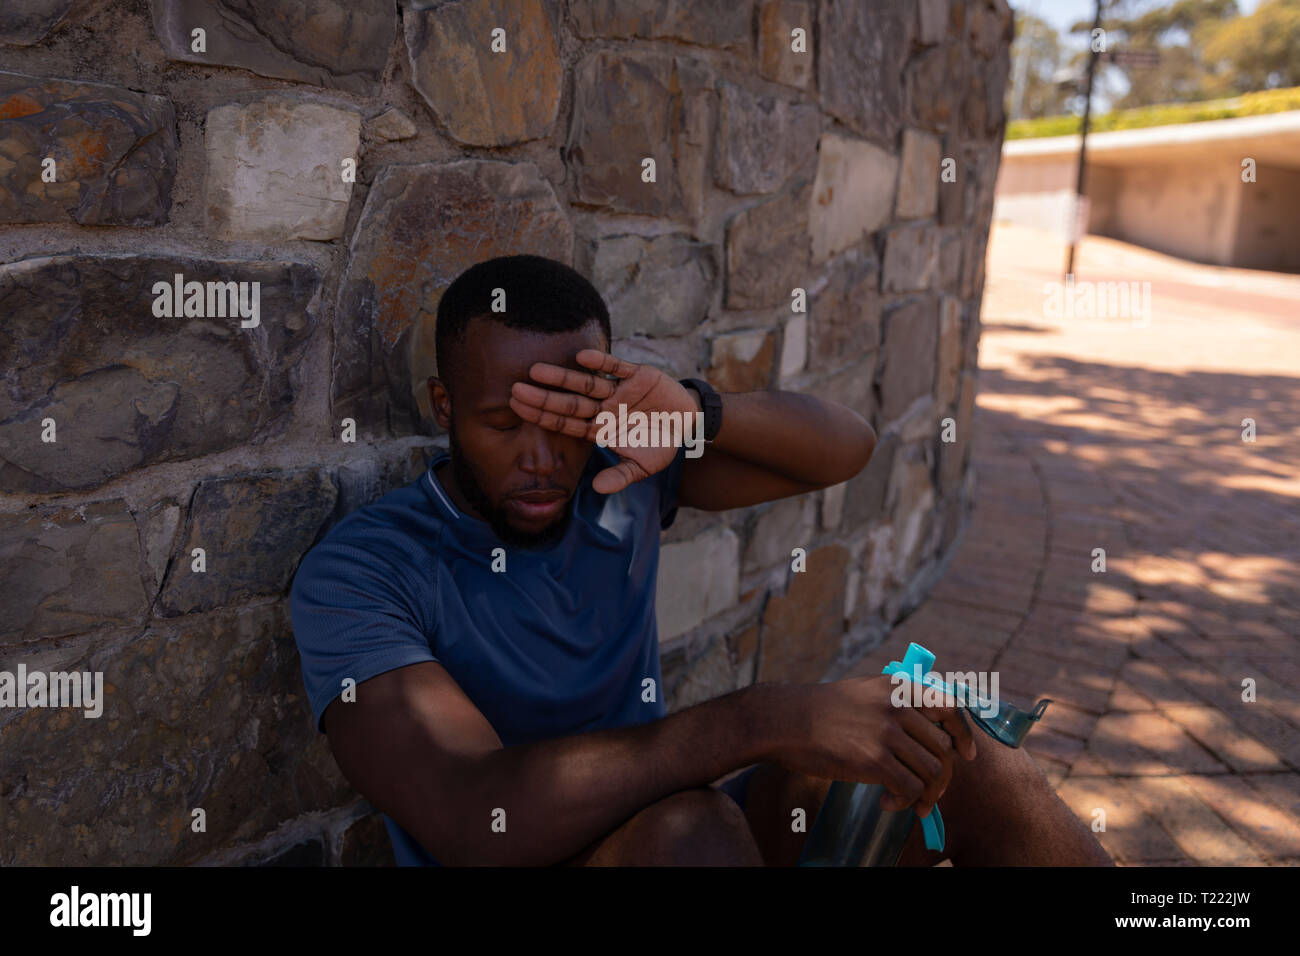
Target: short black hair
[(541, 295)]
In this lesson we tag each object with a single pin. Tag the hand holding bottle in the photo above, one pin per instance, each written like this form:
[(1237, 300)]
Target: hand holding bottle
[(852, 730)]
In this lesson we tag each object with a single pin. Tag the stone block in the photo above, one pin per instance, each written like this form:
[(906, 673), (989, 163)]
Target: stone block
[(631, 107), (864, 493), (717, 23), (932, 83), (911, 259), (910, 504), (918, 180), (656, 286), (366, 843), (485, 95), (762, 140), (953, 455), (786, 525), (422, 226), (863, 49), (275, 170), (767, 251), (743, 361), (391, 126), (339, 44), (205, 712), (86, 343), (950, 352), (697, 579), (24, 22), (908, 356), (67, 570), (794, 345), (253, 530), (852, 195), (844, 317), (932, 20), (832, 506), (803, 628), (777, 57), (113, 151), (851, 386)]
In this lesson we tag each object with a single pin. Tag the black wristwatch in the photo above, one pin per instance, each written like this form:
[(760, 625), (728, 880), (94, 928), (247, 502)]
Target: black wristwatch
[(711, 402)]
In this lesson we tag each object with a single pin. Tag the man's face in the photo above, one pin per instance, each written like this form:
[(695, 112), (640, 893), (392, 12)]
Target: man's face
[(519, 477)]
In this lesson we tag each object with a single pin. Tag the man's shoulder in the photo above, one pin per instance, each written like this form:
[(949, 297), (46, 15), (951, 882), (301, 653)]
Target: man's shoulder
[(391, 529)]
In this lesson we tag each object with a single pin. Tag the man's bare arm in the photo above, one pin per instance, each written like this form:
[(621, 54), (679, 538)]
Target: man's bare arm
[(415, 745), (775, 444), (419, 750)]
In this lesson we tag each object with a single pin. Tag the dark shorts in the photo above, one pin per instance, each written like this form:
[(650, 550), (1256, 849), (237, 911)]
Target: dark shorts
[(737, 787)]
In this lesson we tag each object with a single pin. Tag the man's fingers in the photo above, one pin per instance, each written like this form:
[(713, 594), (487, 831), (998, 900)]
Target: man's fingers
[(904, 787), (958, 727), (931, 735), (950, 718), (934, 772), (551, 421), (571, 379), (615, 478), (605, 362), (562, 403)]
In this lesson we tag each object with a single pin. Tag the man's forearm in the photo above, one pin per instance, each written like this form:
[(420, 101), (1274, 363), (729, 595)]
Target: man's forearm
[(560, 795), (798, 436)]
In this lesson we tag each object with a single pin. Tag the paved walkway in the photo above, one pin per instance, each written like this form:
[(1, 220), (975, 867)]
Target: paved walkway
[(1094, 433)]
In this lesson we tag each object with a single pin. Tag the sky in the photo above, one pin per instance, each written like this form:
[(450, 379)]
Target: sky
[(1062, 13)]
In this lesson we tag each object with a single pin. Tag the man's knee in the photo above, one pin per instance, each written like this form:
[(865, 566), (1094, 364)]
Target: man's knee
[(1004, 811), (697, 827)]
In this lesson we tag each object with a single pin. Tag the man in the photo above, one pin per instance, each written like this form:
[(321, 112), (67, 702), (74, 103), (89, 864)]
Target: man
[(480, 646)]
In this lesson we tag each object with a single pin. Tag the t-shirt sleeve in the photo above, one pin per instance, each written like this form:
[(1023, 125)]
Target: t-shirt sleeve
[(670, 480), (352, 618)]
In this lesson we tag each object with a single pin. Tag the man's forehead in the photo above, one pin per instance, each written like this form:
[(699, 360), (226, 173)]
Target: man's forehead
[(496, 356)]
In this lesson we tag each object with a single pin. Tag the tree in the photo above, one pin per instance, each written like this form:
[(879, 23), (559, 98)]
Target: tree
[(1036, 57), (1261, 51), (1179, 31)]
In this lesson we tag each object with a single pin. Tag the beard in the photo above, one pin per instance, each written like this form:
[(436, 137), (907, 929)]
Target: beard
[(497, 518)]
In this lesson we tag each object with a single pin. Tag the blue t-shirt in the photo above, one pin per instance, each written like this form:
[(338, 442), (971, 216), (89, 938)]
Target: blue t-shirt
[(557, 644)]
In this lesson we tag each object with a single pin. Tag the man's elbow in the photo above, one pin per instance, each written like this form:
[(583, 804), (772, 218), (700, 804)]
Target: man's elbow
[(858, 449), (867, 445)]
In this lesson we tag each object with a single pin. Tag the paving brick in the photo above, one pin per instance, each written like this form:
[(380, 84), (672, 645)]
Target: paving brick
[(1145, 661), (1124, 697), (1148, 743), (1219, 734), (1268, 829), (1131, 836), (1194, 827), (1281, 789)]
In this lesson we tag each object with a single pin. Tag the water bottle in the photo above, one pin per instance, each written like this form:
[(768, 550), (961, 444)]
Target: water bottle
[(852, 829)]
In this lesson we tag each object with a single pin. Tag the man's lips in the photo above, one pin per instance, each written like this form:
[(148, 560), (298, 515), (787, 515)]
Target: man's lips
[(552, 494), (538, 505)]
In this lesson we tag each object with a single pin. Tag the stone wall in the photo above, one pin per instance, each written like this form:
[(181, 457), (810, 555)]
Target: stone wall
[(166, 458)]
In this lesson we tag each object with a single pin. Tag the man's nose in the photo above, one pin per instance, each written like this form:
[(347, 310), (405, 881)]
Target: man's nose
[(541, 456)]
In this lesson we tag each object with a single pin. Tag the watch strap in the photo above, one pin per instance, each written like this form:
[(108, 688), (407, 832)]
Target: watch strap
[(710, 402)]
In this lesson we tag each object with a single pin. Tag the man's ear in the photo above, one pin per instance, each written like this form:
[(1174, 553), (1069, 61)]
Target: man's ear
[(439, 401)]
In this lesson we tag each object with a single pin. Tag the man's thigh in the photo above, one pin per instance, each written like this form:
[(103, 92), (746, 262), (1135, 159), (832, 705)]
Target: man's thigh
[(701, 826), (780, 807)]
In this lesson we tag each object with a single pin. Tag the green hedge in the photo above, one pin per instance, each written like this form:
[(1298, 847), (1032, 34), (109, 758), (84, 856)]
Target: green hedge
[(1248, 104)]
